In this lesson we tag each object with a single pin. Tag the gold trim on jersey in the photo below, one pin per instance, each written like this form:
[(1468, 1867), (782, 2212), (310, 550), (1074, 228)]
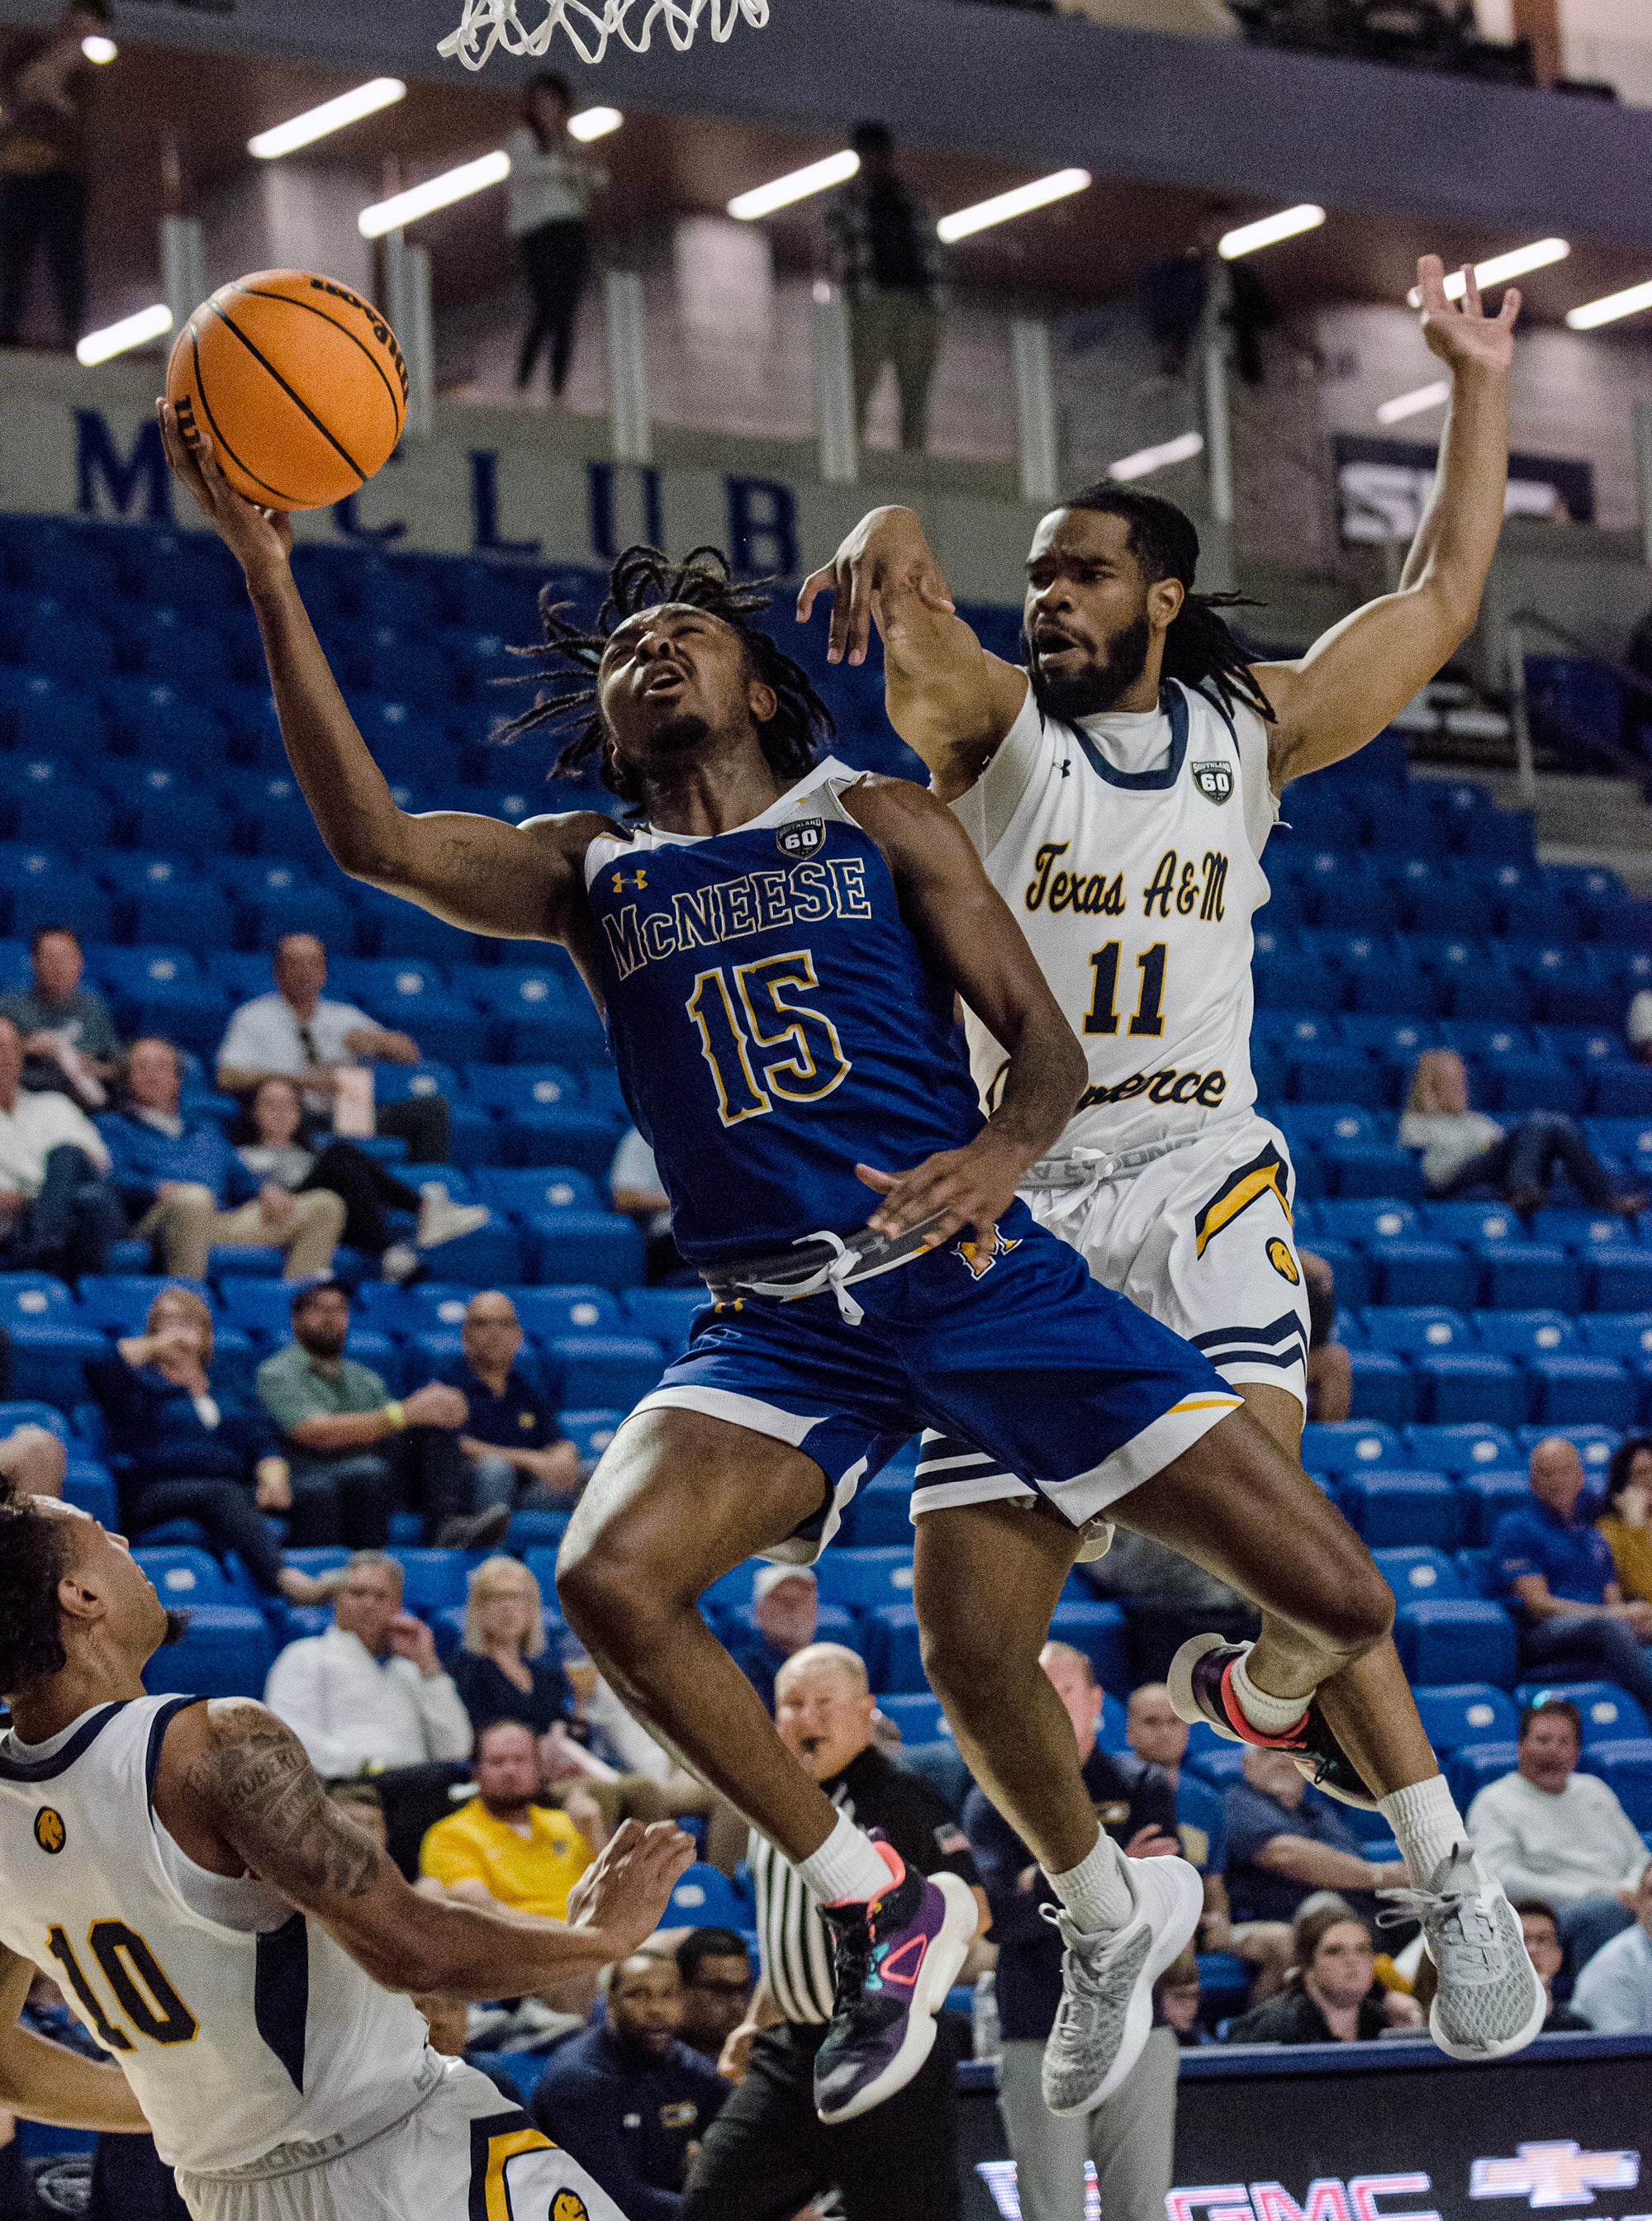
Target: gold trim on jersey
[(568, 2206), (1265, 1174)]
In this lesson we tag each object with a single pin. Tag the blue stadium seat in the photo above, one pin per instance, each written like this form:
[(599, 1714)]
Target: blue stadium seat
[(605, 1368), (1417, 1572), (1391, 1508), (1524, 1083), (578, 1308), (878, 1515), (574, 1134), (1460, 1450), (1383, 1389), (667, 1313), (705, 1898), (1594, 1444), (1416, 1331), (1626, 1336), (1487, 1493), (432, 1580), (1466, 1384), (1348, 1445), (919, 1717), (1456, 1641), (577, 1245), (894, 1662), (119, 1301), (88, 1486), (1373, 1168), (185, 1576), (50, 1340), (1626, 1768), (1466, 1713), (1521, 1275), (225, 1652), (1610, 1714), (521, 1194), (862, 1580), (1097, 1629), (522, 1086), (1574, 1389), (1474, 1766), (1621, 1281), (1336, 1074), (280, 897)]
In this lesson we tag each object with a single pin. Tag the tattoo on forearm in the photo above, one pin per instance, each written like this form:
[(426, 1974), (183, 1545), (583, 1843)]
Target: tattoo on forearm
[(264, 1793)]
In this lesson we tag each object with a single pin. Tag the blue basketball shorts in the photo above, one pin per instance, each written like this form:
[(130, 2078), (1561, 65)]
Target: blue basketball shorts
[(1033, 1369)]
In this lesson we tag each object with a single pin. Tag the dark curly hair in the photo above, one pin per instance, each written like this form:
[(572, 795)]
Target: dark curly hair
[(33, 1561), (643, 578)]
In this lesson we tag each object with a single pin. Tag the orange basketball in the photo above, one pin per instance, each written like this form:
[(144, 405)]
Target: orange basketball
[(298, 381)]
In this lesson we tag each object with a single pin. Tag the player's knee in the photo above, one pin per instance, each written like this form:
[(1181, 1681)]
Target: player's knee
[(964, 1661), (191, 1200), (1358, 1610), (614, 1604)]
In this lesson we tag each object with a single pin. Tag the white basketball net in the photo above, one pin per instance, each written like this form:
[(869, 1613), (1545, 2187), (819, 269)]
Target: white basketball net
[(491, 24)]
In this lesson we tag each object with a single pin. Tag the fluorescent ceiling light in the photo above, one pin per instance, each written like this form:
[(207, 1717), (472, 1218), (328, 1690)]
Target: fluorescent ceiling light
[(1021, 202), (435, 193), (331, 115), (1413, 405), (1269, 230), (796, 186), (97, 49), (594, 122), (1608, 309), (1501, 267), (131, 332), (1180, 450)]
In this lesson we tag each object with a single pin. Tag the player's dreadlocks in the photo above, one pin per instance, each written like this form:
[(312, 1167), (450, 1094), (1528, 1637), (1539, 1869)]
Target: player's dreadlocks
[(643, 578), (31, 1563), (1200, 647)]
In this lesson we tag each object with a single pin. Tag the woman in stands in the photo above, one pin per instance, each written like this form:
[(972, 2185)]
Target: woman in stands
[(183, 1448), (1626, 1523), (503, 1670), (270, 1142), (1332, 1994), (551, 188), (1463, 1150)]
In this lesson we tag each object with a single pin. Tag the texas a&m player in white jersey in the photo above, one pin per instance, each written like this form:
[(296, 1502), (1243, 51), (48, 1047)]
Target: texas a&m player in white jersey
[(239, 1947)]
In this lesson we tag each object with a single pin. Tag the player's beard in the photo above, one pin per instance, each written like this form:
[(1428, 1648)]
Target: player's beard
[(178, 1625), (1100, 685), (679, 737)]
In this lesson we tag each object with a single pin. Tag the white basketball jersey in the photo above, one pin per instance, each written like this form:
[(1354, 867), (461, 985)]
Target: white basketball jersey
[(240, 2025), (1136, 889)]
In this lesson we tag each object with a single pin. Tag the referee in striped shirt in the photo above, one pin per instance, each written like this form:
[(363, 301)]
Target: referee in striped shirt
[(767, 2155)]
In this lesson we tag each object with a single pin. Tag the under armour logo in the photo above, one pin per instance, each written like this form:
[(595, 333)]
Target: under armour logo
[(1067, 768), (1555, 2174), (640, 880)]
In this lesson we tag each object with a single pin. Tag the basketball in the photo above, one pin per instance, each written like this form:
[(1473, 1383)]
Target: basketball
[(297, 381)]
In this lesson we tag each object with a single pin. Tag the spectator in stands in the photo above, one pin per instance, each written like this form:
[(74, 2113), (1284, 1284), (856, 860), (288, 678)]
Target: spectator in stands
[(1332, 1994), (1547, 1830), (370, 1693), (34, 1458), (889, 266), (357, 1452), (629, 2098), (1285, 1841), (1128, 2137), (1614, 1991), (552, 187), (297, 1035), (270, 1141), (1331, 1370), (1626, 1521), (517, 1452), (715, 1972), (1541, 1930), (503, 1669), (1463, 1149), (785, 1613), (184, 1448), (44, 96), (1559, 1566), (1176, 2000), (634, 1181), (69, 1043), (185, 1188), (503, 1846), (58, 1211)]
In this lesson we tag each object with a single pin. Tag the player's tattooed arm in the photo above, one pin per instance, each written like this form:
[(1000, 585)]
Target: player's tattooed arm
[(251, 1777)]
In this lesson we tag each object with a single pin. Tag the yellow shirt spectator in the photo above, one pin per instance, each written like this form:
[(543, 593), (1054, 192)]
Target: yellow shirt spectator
[(522, 1855), (1626, 1523), (1631, 1553)]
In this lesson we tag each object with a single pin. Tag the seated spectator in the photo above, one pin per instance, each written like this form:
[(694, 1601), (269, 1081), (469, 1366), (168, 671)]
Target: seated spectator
[(715, 1970), (1626, 1521), (69, 1044), (186, 1448), (1177, 2000), (628, 2099), (1613, 1992), (1285, 1841), (1331, 1370), (639, 1194), (1332, 1994), (1541, 1933), (1559, 1568), (269, 1142), (297, 1035), (369, 1693), (1463, 1149), (58, 1211), (1165, 1599), (503, 1846), (517, 1452), (185, 1188), (785, 1608), (34, 1459), (502, 1669), (357, 1452), (1547, 1831)]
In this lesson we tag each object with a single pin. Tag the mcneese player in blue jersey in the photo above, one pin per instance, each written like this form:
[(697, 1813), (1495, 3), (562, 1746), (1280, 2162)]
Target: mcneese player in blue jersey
[(776, 944)]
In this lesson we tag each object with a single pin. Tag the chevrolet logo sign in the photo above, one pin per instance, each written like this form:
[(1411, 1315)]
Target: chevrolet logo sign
[(1555, 2174)]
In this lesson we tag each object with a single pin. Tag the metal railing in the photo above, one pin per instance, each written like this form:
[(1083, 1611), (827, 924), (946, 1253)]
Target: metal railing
[(1627, 760)]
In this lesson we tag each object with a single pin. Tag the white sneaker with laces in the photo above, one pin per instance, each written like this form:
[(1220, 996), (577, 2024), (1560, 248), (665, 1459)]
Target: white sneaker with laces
[(1490, 2001), (441, 1220), (1106, 2010)]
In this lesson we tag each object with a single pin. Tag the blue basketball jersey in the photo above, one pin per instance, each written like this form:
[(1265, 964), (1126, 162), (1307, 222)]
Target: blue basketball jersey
[(774, 1021)]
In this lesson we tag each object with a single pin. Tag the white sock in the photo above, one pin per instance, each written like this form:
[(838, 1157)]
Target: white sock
[(1273, 1716), (1097, 1892), (847, 1867), (1427, 1825)]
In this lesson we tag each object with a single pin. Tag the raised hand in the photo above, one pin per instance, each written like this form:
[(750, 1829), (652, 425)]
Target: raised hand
[(1460, 332), (885, 552), (259, 539), (624, 1895)]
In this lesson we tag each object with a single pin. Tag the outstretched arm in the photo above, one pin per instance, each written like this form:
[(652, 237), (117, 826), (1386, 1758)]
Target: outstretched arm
[(1364, 670), (949, 699), (47, 2081), (518, 882), (236, 1792)]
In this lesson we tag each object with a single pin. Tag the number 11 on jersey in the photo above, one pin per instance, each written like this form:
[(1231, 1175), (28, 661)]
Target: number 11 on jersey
[(1102, 1016)]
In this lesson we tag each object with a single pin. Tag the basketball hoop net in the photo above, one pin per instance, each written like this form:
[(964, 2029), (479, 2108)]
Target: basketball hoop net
[(491, 24)]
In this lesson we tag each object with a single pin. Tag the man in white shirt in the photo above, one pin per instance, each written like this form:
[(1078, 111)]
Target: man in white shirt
[(58, 1212), (296, 1033), (1547, 1830), (1614, 1991), (370, 1693)]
